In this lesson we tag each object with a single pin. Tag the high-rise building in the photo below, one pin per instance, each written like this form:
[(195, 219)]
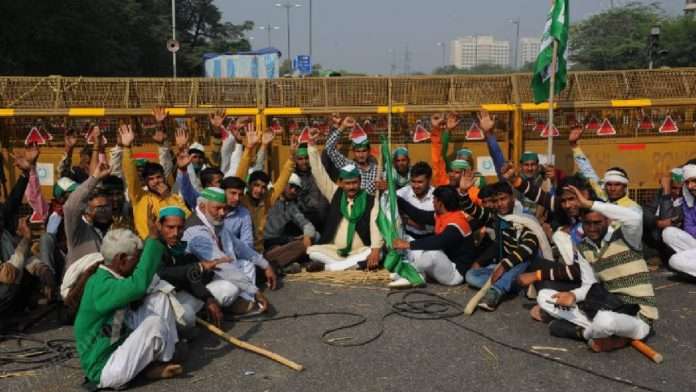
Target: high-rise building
[(470, 51), (690, 8), (529, 49)]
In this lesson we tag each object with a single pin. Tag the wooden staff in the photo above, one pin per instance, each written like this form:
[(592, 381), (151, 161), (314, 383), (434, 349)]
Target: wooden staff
[(249, 347), (474, 301), (647, 351)]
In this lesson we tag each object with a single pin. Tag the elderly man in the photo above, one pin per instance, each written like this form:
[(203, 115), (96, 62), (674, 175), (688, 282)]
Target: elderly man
[(683, 241), (115, 341), (235, 274), (350, 234)]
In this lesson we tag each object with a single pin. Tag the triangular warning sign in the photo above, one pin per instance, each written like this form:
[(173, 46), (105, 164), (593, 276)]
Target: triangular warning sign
[(367, 126), (593, 124), (646, 124), (554, 133), (540, 126), (606, 129), (669, 126), (420, 134), (358, 135), (529, 121), (36, 217), (34, 137), (304, 136), (47, 135), (474, 132)]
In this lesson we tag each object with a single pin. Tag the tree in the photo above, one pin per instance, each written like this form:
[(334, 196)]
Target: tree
[(679, 39), (616, 38), (111, 37)]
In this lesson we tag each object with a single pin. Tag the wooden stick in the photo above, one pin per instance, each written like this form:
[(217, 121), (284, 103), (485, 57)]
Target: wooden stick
[(474, 301), (249, 347), (647, 351)]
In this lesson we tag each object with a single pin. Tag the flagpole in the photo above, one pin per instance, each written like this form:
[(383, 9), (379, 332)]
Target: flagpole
[(389, 114), (552, 90)]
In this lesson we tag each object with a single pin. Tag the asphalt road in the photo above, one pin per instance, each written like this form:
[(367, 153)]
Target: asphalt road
[(411, 355)]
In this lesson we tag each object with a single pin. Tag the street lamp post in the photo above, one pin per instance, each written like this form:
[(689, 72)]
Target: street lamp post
[(653, 44), (269, 28), (444, 52), (288, 5), (174, 37), (310, 29), (516, 22)]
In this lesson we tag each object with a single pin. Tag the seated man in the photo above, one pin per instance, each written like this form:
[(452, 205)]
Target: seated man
[(518, 244), (616, 302), (312, 203), (683, 241), (664, 211), (401, 167), (184, 270), (206, 240), (350, 234), (448, 253), (157, 193), (288, 232), (116, 342), (415, 203)]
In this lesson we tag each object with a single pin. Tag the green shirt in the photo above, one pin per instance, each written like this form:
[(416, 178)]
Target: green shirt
[(99, 327)]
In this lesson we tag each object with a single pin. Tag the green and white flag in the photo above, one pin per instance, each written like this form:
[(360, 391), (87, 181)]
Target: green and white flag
[(388, 223), (557, 25)]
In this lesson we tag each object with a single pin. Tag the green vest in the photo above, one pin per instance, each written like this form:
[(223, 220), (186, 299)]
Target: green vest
[(624, 272)]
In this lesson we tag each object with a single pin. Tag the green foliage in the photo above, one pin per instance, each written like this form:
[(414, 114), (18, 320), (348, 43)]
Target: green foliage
[(679, 39), (111, 37)]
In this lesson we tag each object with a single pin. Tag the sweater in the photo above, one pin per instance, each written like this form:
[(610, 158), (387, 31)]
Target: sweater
[(99, 325)]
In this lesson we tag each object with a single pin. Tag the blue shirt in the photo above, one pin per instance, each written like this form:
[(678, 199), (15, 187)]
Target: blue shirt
[(238, 224)]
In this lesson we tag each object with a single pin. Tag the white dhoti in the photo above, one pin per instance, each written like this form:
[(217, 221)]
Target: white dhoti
[(237, 278), (437, 265), (604, 324), (684, 260), (153, 338), (328, 255)]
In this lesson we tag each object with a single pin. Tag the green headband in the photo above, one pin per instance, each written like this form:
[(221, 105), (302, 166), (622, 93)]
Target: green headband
[(171, 211), (214, 194), (302, 152), (348, 172), (62, 186), (529, 156), (464, 153), (678, 175), (400, 152), (140, 162), (362, 144), (460, 164)]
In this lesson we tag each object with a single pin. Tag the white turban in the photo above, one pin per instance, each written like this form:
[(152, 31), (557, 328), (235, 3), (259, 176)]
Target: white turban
[(689, 171), (615, 176)]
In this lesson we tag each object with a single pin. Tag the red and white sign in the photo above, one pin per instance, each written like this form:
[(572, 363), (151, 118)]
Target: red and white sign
[(669, 126), (606, 129), (420, 134), (304, 136), (474, 132), (646, 124), (593, 125), (540, 126), (34, 137), (554, 132)]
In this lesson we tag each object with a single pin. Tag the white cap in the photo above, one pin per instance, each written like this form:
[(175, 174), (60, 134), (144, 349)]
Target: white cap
[(197, 146), (295, 180)]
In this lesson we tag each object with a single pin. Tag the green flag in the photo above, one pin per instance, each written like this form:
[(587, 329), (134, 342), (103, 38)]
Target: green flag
[(388, 225), (556, 29)]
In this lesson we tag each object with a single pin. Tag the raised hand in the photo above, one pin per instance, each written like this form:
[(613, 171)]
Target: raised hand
[(294, 144), (101, 171), (452, 120), (508, 172), (348, 123), (21, 162), (436, 121), (181, 138), (467, 181), (313, 136), (267, 137), (666, 183), (336, 120), (126, 134), (252, 139), (216, 119), (550, 172), (486, 121), (575, 134), (159, 113), (152, 227)]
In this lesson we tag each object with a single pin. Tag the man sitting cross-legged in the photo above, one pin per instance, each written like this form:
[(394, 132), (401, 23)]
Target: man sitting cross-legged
[(350, 234), (114, 340), (616, 301), (448, 254), (683, 241)]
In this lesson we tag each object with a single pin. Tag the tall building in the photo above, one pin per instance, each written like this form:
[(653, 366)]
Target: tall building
[(528, 50), (690, 8), (470, 51)]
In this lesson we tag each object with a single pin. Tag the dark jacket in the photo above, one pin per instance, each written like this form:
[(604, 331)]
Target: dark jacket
[(184, 273), (334, 217)]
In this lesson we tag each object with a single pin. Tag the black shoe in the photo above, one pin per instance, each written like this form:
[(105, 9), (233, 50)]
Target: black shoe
[(565, 329)]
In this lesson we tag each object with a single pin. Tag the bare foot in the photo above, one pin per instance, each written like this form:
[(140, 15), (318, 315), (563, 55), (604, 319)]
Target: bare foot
[(157, 371), (611, 343), (526, 279), (539, 315)]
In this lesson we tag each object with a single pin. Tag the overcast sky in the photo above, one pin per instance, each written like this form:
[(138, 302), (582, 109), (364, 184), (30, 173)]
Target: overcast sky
[(357, 34)]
